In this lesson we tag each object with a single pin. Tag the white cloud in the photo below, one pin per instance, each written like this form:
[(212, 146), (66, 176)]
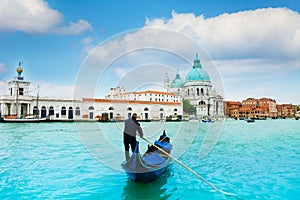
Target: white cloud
[(87, 40), (120, 72), (273, 78), (267, 32), (74, 28), (35, 16), (3, 88), (47, 89), (257, 34)]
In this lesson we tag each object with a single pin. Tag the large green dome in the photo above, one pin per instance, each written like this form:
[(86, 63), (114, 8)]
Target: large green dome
[(177, 82), (197, 73)]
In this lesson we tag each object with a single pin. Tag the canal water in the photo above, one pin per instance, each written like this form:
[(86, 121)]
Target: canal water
[(259, 160)]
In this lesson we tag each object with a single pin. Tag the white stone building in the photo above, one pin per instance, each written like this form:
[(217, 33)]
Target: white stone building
[(198, 89), (118, 105)]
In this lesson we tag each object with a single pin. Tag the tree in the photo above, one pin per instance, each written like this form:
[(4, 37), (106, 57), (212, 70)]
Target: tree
[(188, 108)]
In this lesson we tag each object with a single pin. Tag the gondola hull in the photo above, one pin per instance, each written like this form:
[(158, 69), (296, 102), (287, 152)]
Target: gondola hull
[(147, 176), (145, 168)]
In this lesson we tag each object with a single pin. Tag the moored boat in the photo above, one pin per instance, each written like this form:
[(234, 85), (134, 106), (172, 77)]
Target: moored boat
[(152, 164), (249, 120), (207, 120), (22, 120)]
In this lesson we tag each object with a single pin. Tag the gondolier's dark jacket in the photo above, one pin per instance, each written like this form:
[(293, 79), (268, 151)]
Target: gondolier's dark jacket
[(132, 127)]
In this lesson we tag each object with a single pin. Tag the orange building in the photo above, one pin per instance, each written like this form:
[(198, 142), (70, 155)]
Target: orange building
[(232, 108), (259, 108), (286, 110), (269, 107)]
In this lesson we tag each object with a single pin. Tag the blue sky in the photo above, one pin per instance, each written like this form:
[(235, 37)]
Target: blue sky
[(253, 46)]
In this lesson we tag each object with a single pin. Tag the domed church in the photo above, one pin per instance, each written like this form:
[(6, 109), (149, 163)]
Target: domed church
[(198, 89)]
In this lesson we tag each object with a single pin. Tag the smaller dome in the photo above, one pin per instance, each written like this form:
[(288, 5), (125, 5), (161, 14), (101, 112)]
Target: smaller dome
[(177, 82)]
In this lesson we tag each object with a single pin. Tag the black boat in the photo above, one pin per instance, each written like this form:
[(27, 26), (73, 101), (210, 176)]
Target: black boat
[(151, 165)]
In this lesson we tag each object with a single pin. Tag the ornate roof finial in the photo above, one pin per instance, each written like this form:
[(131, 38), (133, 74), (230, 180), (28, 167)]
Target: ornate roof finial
[(19, 71), (197, 63)]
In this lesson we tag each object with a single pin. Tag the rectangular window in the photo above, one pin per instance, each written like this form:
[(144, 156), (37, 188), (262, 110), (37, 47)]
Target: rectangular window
[(21, 91)]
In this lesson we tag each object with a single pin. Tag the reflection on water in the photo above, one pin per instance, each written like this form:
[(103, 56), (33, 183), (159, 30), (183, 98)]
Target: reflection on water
[(153, 190)]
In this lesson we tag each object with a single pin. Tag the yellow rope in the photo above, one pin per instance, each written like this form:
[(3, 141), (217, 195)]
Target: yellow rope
[(192, 171)]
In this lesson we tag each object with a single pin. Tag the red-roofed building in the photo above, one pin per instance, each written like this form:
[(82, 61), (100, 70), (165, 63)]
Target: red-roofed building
[(232, 108)]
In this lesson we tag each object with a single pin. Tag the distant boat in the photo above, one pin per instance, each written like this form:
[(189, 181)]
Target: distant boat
[(207, 120), (249, 120), (152, 164), (14, 119)]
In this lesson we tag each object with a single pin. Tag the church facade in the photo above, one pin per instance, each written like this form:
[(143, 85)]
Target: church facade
[(199, 91)]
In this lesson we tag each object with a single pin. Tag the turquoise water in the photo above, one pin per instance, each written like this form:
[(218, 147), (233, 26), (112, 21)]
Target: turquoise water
[(258, 160)]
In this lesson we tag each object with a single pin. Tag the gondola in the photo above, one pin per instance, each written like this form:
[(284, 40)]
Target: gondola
[(152, 164)]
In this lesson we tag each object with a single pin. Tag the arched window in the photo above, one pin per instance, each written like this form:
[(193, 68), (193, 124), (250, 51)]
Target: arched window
[(146, 113), (111, 113), (202, 91), (129, 108), (188, 92), (91, 108), (70, 113), (43, 112), (175, 110), (77, 111), (198, 91), (161, 114), (35, 110), (202, 102), (91, 112), (51, 110), (63, 111)]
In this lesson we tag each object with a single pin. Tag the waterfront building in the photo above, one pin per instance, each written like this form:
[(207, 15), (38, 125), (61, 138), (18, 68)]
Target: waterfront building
[(117, 105), (232, 108), (269, 107), (286, 110), (199, 91), (259, 108)]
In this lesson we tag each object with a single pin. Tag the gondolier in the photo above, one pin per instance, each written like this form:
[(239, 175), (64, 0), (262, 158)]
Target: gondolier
[(132, 126)]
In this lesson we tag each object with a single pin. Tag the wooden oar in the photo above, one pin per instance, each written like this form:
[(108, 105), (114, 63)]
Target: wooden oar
[(192, 171)]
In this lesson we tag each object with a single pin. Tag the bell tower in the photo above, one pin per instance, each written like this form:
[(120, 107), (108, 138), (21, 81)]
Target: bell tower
[(18, 87), (167, 82), (18, 90)]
